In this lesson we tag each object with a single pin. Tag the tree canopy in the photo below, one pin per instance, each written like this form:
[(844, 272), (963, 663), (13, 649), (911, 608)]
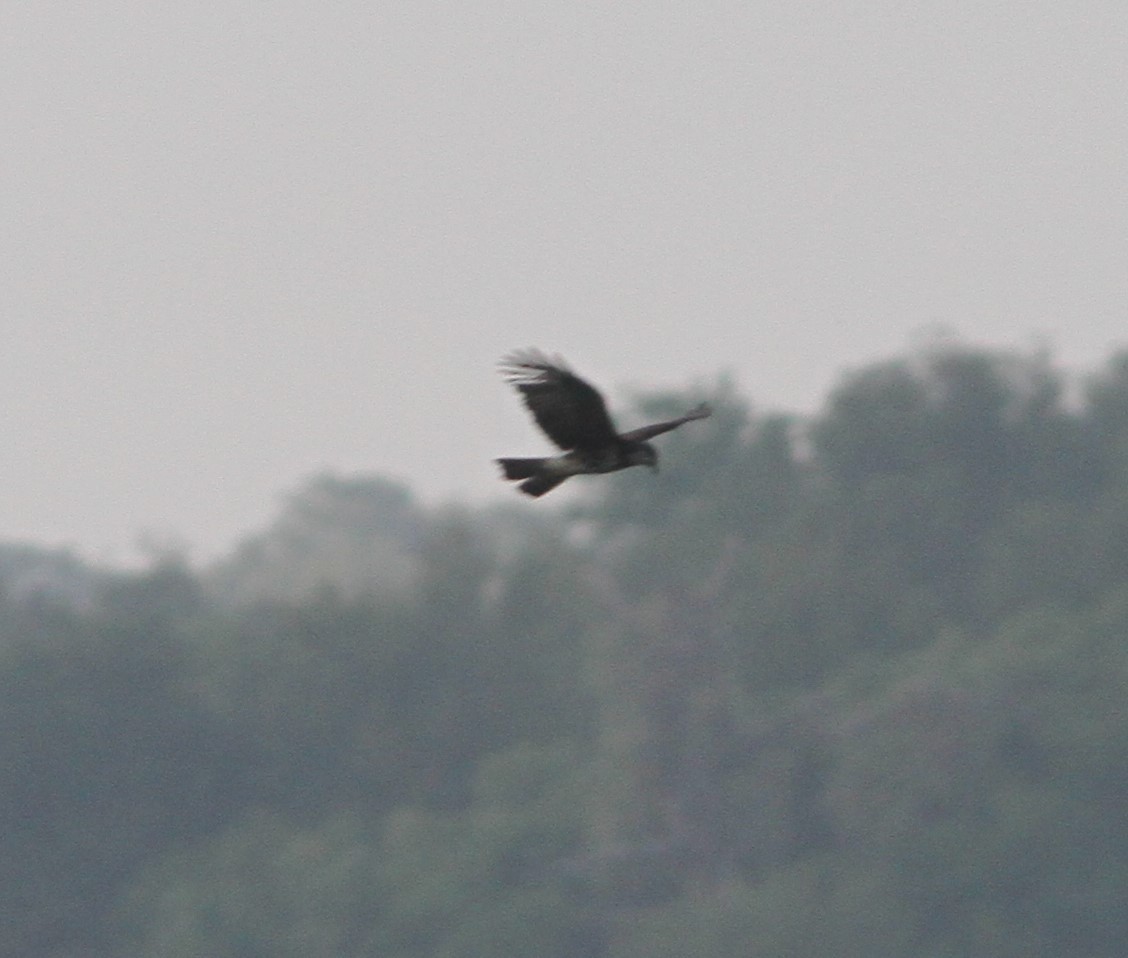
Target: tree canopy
[(850, 684)]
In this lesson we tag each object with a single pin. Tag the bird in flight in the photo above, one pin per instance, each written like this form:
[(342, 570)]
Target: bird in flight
[(571, 412)]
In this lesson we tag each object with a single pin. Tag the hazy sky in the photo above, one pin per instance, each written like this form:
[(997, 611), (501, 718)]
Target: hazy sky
[(247, 241)]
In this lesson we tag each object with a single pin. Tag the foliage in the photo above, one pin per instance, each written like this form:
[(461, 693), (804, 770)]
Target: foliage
[(355, 536), (846, 686)]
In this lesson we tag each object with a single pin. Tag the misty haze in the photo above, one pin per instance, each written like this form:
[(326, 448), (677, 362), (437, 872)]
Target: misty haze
[(851, 685), (288, 670)]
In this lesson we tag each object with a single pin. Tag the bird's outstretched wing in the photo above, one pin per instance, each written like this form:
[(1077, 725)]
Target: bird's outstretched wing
[(569, 410), (704, 411)]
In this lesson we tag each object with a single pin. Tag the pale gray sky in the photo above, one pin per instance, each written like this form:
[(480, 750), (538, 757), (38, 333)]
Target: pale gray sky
[(247, 241)]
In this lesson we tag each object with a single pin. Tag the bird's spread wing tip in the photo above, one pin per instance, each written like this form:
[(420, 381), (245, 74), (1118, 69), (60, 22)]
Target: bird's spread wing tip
[(530, 365)]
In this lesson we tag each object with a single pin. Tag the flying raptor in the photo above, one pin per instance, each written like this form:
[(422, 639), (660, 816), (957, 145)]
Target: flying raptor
[(571, 412)]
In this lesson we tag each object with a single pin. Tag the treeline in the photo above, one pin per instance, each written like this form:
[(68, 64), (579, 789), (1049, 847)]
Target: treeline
[(846, 686)]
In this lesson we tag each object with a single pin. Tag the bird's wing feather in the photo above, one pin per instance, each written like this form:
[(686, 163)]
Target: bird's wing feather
[(656, 429), (569, 410)]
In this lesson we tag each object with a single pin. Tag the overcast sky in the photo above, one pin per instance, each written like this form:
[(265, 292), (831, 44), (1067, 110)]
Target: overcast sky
[(245, 242)]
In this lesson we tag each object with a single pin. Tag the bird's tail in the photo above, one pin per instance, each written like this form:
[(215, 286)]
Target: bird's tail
[(537, 480), (521, 468)]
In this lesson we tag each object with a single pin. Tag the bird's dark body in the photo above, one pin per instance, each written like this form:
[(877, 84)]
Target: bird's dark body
[(571, 412), (610, 458)]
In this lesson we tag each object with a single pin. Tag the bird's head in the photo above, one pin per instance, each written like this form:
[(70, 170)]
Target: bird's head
[(643, 454)]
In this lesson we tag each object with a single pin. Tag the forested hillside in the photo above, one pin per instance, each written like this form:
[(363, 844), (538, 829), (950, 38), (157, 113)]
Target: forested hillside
[(847, 686)]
